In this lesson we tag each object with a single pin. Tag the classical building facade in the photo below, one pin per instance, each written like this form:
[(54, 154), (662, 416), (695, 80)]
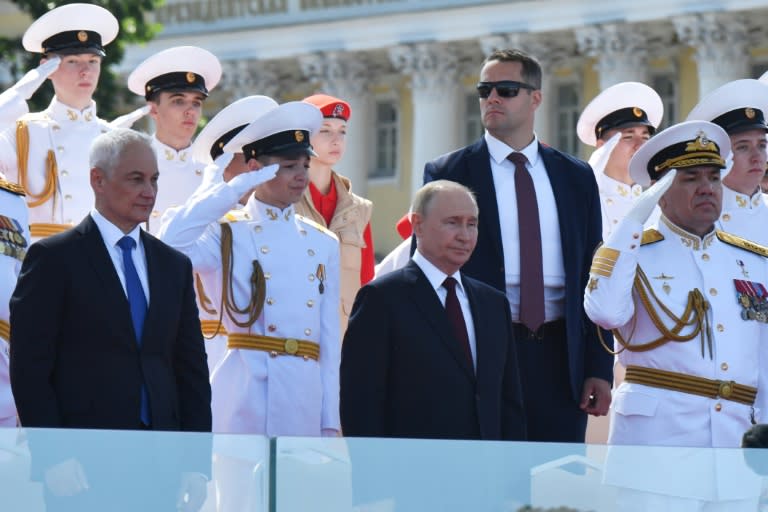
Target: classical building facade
[(408, 67)]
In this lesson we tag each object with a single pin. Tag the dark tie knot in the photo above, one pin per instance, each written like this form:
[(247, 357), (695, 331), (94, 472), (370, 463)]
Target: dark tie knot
[(449, 284), (126, 243), (518, 159)]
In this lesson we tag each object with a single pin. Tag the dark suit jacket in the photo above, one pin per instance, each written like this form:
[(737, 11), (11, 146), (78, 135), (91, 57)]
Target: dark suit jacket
[(578, 211), (404, 374), (75, 361)]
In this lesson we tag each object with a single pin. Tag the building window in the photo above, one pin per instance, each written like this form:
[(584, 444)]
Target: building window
[(567, 116), (666, 86), (473, 126), (387, 134)]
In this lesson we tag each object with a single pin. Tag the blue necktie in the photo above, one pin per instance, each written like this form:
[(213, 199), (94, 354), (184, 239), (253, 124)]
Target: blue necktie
[(138, 304)]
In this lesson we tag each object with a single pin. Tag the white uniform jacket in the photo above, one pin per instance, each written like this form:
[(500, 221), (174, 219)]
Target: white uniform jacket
[(253, 391), (745, 216), (676, 263), (616, 199), (14, 242), (67, 133), (180, 175)]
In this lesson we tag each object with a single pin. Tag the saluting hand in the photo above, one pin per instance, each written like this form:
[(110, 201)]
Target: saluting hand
[(34, 78)]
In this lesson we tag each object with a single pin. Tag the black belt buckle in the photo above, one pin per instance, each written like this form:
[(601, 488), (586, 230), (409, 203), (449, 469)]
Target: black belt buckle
[(537, 335)]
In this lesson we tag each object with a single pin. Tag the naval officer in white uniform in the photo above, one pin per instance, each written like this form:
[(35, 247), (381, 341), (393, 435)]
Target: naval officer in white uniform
[(175, 82)]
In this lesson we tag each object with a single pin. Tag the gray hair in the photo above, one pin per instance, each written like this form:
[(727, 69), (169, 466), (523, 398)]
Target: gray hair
[(426, 194), (107, 148)]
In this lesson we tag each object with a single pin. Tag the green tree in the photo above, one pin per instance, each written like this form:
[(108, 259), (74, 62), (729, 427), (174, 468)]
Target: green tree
[(112, 91)]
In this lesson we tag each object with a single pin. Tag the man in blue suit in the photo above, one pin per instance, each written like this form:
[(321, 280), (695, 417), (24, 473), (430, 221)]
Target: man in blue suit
[(539, 226)]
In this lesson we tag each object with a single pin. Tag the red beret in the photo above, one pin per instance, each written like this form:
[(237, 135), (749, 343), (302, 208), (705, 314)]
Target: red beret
[(330, 106)]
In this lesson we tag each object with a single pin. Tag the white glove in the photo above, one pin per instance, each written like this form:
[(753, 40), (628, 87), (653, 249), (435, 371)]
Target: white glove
[(32, 81), (648, 200), (600, 156), (247, 181), (214, 172), (127, 120)]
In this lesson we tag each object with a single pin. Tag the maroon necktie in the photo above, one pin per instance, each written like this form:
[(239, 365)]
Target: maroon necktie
[(531, 271), (456, 317)]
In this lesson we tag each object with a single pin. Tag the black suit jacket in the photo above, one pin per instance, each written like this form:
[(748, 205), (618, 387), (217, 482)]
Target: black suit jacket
[(404, 374), (578, 212), (75, 361)]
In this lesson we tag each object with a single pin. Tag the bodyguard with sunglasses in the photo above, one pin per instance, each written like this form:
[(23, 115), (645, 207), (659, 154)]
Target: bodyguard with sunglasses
[(539, 224)]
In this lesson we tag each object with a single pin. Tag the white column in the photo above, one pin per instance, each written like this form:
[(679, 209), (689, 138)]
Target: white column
[(620, 49), (346, 76), (246, 77), (436, 95), (721, 42)]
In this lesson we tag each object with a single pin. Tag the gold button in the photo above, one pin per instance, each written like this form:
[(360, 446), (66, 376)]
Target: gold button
[(726, 217), (718, 407), (273, 354), (311, 277), (155, 213), (60, 149), (632, 246), (635, 235), (609, 201), (310, 252), (65, 173), (270, 301), (291, 346), (712, 291), (272, 328), (720, 328), (310, 303), (705, 257), (307, 332), (267, 275), (257, 229), (264, 249), (68, 196), (724, 367), (198, 172)]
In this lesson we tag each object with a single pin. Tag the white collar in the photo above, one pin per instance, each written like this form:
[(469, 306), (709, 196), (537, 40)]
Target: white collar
[(435, 276), (62, 113), (500, 150), (111, 233), (265, 212)]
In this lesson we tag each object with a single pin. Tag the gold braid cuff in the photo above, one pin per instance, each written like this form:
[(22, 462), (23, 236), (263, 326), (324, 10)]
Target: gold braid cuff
[(5, 330), (691, 384), (212, 328), (695, 316)]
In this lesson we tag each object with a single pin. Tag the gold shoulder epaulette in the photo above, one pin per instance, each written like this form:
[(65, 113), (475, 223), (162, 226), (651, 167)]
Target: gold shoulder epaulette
[(742, 243), (651, 236), (317, 226), (235, 216), (13, 188)]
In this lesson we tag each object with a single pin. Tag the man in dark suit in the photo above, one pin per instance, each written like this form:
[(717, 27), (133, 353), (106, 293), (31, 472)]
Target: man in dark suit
[(429, 352), (105, 329), (538, 229)]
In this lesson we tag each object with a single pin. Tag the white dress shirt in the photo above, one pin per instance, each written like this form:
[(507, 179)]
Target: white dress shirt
[(111, 234), (436, 277), (503, 172)]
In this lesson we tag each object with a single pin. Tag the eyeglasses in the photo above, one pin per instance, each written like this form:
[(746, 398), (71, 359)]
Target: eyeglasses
[(504, 88)]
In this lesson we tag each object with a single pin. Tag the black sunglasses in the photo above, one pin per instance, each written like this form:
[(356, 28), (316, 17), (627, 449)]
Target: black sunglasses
[(504, 88)]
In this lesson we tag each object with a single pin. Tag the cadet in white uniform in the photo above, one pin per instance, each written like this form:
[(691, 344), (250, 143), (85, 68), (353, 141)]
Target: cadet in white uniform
[(617, 122), (208, 146), (47, 152), (14, 241), (280, 274), (688, 303), (739, 107), (175, 83)]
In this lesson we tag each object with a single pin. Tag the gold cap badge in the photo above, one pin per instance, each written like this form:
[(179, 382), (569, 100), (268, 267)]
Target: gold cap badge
[(299, 135), (82, 36), (749, 112), (637, 111), (190, 77)]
